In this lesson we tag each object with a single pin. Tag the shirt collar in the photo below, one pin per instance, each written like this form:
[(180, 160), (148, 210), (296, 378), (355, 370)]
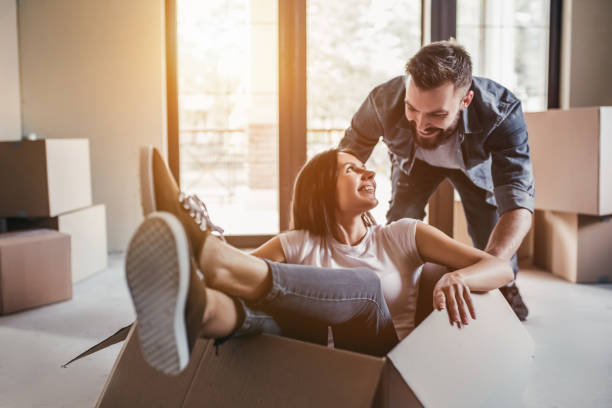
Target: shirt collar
[(469, 120)]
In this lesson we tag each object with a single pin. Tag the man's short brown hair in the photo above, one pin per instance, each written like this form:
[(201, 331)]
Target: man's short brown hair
[(439, 62)]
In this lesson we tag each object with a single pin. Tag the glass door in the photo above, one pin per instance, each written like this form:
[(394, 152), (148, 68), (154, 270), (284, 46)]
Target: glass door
[(228, 110)]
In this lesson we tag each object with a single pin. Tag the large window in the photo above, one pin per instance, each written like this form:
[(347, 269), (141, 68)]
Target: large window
[(352, 47), (228, 114), (508, 41), (228, 85)]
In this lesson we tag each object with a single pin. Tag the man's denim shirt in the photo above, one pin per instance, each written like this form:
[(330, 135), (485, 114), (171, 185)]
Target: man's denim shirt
[(494, 143)]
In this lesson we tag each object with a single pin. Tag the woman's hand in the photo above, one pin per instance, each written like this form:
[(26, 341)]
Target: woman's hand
[(474, 270), (452, 292)]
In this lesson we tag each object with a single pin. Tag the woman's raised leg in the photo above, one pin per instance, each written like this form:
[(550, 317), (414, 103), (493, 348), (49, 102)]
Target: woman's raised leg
[(350, 299)]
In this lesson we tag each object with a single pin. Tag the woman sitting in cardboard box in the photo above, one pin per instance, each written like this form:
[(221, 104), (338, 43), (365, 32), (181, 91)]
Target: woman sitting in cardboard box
[(336, 267)]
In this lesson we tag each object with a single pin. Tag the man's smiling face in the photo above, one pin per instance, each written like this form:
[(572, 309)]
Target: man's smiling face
[(434, 113)]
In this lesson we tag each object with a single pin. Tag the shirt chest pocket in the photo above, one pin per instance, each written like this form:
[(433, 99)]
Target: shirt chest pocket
[(473, 150)]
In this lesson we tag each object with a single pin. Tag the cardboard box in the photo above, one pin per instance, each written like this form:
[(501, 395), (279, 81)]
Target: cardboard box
[(86, 227), (573, 246), (435, 366), (44, 178), (571, 152), (34, 269), (460, 233)]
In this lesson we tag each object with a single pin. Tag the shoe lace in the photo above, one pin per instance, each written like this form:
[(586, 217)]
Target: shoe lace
[(197, 210)]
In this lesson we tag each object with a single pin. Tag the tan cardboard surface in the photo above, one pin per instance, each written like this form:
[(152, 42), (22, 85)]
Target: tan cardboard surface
[(555, 246), (571, 154), (436, 365), (270, 371), (573, 246), (264, 371), (34, 269), (23, 182), (594, 247), (44, 178), (133, 383), (460, 229), (460, 233), (449, 367), (87, 228), (605, 160), (393, 392), (68, 175)]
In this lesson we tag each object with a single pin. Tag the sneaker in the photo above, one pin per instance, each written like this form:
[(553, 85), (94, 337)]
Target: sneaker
[(168, 297), (160, 192), (513, 296)]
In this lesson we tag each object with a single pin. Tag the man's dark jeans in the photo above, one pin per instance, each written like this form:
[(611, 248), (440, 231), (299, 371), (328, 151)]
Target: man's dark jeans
[(412, 192), (304, 300)]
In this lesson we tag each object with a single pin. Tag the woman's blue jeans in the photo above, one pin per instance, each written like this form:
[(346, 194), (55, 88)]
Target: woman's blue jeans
[(304, 300)]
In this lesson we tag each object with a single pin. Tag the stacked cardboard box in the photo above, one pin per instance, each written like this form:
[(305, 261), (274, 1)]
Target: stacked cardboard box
[(572, 158), (460, 233), (47, 184), (34, 269)]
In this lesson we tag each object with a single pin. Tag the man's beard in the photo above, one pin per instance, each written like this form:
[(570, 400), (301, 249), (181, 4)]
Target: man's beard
[(432, 143)]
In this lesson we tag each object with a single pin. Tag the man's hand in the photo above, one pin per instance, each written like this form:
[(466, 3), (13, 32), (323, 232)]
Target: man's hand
[(451, 292)]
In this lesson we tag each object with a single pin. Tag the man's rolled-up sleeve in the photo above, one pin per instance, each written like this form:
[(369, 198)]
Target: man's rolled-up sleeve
[(365, 130), (511, 167)]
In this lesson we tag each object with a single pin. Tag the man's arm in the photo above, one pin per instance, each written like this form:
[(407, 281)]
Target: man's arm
[(474, 270), (514, 185), (508, 233), (365, 130)]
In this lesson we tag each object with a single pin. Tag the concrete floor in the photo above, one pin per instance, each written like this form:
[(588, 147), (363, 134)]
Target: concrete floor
[(571, 325)]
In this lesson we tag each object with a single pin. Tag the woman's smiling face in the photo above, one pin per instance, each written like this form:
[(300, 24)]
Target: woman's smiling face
[(355, 186)]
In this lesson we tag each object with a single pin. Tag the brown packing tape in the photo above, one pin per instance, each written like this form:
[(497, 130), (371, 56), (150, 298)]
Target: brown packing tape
[(115, 338)]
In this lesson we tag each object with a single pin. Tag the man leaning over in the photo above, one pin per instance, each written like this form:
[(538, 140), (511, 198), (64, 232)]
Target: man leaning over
[(439, 122)]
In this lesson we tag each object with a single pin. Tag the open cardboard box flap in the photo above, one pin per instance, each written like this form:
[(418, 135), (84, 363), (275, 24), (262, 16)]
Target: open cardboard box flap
[(464, 367), (435, 366)]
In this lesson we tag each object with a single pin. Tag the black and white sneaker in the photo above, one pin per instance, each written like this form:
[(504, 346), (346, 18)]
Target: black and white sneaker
[(158, 266)]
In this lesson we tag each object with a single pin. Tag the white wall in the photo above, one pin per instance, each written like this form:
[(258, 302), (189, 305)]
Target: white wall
[(10, 112), (586, 53), (96, 69)]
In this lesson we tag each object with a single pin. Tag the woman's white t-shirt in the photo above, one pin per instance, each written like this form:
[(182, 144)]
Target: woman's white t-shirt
[(389, 250)]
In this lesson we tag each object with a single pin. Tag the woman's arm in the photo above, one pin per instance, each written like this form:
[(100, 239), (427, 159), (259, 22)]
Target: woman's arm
[(473, 270), (272, 250)]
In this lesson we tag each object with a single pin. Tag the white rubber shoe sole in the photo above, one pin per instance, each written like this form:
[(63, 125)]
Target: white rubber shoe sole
[(157, 269), (147, 186)]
